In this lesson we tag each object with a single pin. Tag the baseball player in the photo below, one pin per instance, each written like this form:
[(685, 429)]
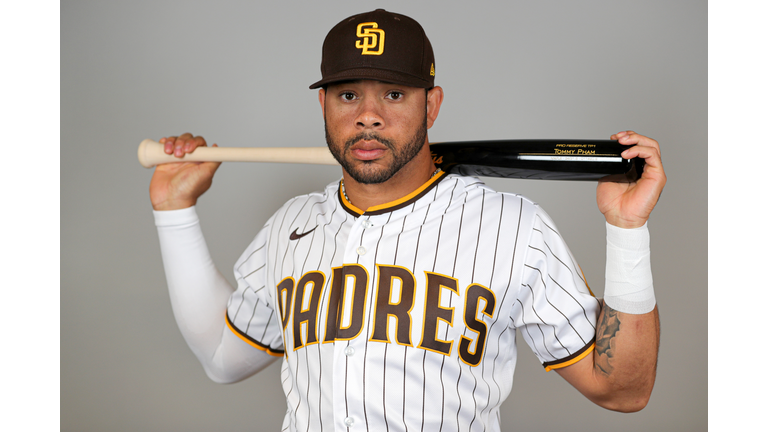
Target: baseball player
[(393, 297)]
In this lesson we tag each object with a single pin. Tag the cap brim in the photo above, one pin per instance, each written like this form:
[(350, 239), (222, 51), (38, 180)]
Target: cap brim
[(375, 74)]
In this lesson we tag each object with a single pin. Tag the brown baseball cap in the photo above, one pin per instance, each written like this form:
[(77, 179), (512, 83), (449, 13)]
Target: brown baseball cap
[(381, 46)]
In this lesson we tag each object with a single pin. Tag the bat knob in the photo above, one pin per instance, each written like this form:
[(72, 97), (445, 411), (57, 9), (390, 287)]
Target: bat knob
[(150, 152)]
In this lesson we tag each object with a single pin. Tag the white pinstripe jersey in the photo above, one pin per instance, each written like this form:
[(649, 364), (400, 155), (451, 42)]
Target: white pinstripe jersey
[(404, 316)]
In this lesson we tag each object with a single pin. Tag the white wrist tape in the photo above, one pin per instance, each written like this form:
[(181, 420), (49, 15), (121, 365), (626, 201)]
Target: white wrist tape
[(628, 278)]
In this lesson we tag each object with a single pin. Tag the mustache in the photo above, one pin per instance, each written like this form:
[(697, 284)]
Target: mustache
[(368, 136)]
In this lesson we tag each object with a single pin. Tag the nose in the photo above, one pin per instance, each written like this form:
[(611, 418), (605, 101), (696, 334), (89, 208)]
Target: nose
[(370, 115)]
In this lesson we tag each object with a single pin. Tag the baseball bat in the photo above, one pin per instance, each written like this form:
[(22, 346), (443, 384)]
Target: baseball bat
[(581, 160)]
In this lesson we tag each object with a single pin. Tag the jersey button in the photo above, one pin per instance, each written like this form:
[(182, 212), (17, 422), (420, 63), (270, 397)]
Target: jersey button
[(349, 351), (361, 250), (349, 421), (367, 224)]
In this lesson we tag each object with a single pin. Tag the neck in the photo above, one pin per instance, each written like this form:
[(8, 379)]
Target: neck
[(408, 179)]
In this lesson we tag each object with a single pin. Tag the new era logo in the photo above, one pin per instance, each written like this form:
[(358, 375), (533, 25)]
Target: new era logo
[(372, 42)]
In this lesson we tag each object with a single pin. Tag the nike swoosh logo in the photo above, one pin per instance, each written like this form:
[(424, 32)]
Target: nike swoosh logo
[(296, 236)]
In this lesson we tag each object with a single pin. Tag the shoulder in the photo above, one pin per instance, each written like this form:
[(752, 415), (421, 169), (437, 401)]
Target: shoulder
[(297, 210), (301, 211), (516, 212), (471, 190), (327, 197)]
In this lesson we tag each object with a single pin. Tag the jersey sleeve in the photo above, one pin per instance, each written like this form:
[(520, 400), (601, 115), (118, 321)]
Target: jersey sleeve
[(252, 313), (555, 311)]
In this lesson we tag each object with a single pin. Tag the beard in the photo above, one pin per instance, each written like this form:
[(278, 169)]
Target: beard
[(369, 172)]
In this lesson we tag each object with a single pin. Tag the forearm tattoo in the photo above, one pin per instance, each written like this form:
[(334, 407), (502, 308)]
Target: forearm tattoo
[(607, 327)]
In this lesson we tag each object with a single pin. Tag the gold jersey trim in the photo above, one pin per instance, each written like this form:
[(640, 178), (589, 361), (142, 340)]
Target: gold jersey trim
[(575, 358), (252, 342), (393, 205)]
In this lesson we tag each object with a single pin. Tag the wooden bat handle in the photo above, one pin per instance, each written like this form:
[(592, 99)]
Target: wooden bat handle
[(151, 153)]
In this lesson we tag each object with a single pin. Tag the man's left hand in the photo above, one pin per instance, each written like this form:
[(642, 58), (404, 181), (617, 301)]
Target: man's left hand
[(628, 205)]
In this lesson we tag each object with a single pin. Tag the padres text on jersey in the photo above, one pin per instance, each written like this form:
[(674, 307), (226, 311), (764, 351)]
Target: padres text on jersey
[(406, 314)]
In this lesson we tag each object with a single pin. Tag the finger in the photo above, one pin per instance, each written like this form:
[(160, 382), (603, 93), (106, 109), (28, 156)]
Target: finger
[(637, 139), (651, 156), (186, 143), (173, 143), (193, 143), (168, 144), (183, 144), (181, 141), (180, 144), (624, 135), (618, 135), (644, 152)]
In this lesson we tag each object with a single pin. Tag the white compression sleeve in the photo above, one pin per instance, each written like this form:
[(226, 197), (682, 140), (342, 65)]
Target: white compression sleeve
[(628, 278), (199, 295)]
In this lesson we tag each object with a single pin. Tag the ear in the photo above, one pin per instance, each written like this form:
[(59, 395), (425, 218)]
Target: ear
[(321, 98), (434, 100)]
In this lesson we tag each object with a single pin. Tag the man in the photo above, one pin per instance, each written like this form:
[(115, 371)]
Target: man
[(394, 295)]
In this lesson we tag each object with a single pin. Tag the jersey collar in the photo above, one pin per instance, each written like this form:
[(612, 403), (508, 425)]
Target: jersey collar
[(394, 205)]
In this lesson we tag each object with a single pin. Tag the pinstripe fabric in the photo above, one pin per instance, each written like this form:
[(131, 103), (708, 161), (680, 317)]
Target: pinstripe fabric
[(426, 297)]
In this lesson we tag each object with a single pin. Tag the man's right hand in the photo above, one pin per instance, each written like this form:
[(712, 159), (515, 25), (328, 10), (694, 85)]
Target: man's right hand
[(178, 185)]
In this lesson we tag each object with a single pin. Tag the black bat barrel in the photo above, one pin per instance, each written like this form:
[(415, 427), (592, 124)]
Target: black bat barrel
[(581, 160)]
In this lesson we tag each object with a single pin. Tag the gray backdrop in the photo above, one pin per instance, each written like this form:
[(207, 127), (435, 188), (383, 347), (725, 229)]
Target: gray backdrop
[(237, 73)]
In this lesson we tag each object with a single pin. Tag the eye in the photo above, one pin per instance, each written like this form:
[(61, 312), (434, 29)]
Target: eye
[(395, 95), (348, 96)]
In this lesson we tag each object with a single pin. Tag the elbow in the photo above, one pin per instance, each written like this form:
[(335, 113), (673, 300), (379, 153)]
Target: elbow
[(628, 402), (628, 406), (627, 396), (230, 372), (219, 377)]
